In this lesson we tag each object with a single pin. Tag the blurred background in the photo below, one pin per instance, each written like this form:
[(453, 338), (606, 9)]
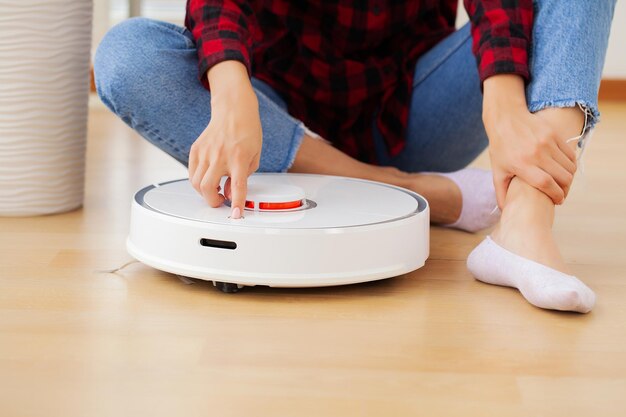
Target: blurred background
[(76, 340)]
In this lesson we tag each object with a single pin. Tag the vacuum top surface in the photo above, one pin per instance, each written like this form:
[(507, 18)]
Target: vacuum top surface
[(293, 201)]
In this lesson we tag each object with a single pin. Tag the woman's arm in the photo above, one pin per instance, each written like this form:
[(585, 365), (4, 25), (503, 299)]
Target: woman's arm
[(520, 143), (231, 143), (523, 144)]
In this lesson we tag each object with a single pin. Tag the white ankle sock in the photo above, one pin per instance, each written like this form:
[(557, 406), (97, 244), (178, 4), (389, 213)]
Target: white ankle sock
[(479, 210), (542, 286)]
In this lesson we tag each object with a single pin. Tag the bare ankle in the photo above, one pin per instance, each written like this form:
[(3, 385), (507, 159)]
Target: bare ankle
[(525, 206), (443, 196)]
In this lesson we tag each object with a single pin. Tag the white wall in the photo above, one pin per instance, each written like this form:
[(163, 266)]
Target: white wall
[(100, 22), (615, 66)]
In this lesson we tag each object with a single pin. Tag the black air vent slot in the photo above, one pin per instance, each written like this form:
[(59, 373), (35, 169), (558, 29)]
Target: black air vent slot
[(221, 244)]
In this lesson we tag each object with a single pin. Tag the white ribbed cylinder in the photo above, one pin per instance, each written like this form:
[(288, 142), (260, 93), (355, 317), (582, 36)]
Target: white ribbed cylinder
[(45, 48)]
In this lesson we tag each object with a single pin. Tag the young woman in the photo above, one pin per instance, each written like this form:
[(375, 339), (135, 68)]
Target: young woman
[(386, 91)]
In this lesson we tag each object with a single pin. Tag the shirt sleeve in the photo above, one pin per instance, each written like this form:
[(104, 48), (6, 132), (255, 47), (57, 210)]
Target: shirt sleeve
[(501, 32), (223, 30)]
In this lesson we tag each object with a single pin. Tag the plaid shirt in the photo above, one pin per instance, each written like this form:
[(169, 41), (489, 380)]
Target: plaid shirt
[(341, 64)]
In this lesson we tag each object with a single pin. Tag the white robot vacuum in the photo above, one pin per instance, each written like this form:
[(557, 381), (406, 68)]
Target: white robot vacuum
[(297, 230)]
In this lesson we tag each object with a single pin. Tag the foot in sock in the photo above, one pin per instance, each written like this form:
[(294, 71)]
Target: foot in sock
[(542, 286), (523, 254), (479, 206)]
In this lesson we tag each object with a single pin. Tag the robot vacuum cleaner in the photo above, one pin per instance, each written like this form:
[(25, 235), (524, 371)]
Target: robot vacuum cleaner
[(297, 230)]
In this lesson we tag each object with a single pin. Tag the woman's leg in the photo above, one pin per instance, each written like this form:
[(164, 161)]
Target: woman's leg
[(445, 132), (146, 73), (569, 46), (444, 198)]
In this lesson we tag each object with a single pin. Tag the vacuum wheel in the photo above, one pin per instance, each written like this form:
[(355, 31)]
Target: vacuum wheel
[(227, 287)]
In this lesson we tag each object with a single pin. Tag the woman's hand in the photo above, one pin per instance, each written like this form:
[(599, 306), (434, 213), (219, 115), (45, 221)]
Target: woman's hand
[(523, 144), (231, 143)]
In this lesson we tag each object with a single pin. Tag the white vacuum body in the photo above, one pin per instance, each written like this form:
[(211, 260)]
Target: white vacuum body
[(297, 230)]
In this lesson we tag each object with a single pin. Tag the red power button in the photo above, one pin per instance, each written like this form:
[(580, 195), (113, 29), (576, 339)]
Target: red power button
[(275, 205)]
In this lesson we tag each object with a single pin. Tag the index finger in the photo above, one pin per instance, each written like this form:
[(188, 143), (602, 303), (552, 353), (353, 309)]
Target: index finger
[(543, 181), (210, 186), (238, 188), (568, 148), (501, 184)]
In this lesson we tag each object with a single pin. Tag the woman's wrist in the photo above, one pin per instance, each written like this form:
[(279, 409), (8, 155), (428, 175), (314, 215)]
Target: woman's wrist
[(503, 94), (230, 84)]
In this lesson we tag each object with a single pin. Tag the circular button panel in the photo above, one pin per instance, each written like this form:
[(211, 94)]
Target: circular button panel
[(339, 202)]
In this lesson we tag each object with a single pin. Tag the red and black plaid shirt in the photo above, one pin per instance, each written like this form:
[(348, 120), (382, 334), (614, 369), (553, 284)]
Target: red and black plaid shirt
[(339, 63)]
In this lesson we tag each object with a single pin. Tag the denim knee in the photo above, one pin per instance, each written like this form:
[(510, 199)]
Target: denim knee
[(111, 60), (128, 56)]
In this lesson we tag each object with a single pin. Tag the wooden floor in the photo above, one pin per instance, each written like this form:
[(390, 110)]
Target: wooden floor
[(76, 342)]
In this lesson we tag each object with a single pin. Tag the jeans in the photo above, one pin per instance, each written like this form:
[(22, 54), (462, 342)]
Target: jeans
[(146, 73)]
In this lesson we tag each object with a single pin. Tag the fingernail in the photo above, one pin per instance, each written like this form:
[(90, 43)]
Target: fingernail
[(236, 214)]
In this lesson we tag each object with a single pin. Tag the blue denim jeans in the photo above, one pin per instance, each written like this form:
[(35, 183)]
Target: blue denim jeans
[(146, 73)]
